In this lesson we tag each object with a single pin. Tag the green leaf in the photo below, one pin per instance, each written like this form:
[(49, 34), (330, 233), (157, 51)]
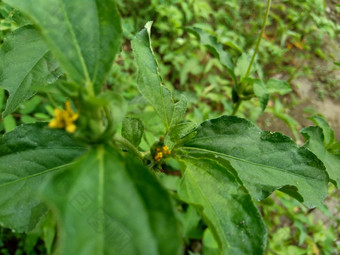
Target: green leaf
[(181, 130), (2, 94), (28, 156), (214, 47), (264, 161), (117, 107), (242, 65), (261, 92), (179, 111), (225, 205), (9, 123), (190, 220), (112, 205), (149, 81), (30, 105), (49, 232), (278, 86), (210, 246), (328, 132), (26, 63), (133, 130), (316, 143), (84, 36)]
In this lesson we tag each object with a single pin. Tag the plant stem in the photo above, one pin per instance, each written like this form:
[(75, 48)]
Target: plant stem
[(259, 38), (128, 145), (109, 125), (50, 98), (237, 106)]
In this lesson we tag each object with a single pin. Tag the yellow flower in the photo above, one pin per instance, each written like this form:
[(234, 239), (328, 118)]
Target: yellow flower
[(162, 153), (159, 156), (165, 150), (64, 118)]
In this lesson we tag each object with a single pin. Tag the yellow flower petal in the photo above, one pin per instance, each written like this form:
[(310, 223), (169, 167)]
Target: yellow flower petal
[(64, 118), (56, 111), (71, 128), (55, 124)]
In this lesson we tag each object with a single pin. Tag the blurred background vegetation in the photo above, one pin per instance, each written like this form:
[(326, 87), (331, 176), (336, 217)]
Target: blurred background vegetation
[(300, 45)]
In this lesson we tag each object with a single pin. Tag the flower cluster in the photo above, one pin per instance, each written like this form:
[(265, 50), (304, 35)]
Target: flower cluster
[(162, 152), (64, 118)]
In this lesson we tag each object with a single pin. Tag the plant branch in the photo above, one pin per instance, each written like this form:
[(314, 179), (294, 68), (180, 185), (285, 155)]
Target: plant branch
[(124, 142), (237, 106), (259, 38)]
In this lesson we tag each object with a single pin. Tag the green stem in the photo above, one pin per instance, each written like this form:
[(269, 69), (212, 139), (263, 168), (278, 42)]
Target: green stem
[(109, 128), (128, 145), (50, 98), (237, 106), (259, 38)]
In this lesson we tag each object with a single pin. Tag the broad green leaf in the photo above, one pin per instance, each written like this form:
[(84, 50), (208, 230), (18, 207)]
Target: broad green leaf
[(264, 161), (316, 143), (328, 132), (26, 63), (149, 81), (28, 156), (261, 92), (225, 205), (112, 205), (84, 36), (214, 47), (278, 86), (133, 130)]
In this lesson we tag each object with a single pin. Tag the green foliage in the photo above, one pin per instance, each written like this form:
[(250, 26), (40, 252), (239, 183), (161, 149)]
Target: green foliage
[(109, 207), (149, 81), (29, 155), (293, 229), (264, 161), (36, 65), (224, 204), (84, 47), (149, 180), (316, 143)]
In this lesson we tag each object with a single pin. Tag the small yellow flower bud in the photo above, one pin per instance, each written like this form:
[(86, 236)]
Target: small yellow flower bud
[(64, 118), (159, 156)]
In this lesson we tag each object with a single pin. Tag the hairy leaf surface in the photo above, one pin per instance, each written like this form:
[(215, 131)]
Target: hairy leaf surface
[(316, 143), (112, 205), (150, 84), (28, 156), (225, 205), (83, 35), (261, 92), (278, 86), (133, 130), (264, 161), (26, 63)]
